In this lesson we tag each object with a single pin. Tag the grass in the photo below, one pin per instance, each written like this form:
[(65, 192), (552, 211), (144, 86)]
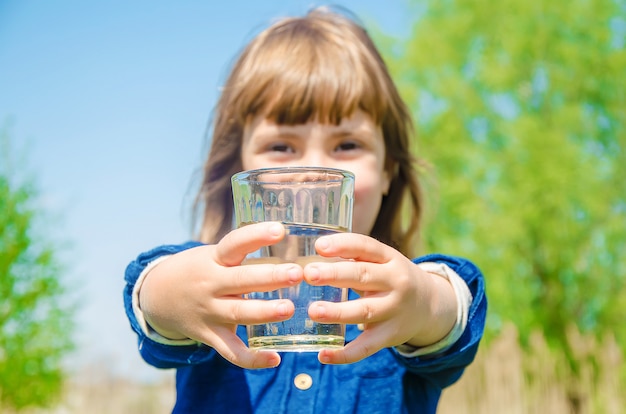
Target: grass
[(504, 378)]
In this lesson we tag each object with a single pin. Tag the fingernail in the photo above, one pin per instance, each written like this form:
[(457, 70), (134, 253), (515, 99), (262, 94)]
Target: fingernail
[(276, 229), (282, 309), (320, 311), (294, 274), (324, 358), (273, 361), (313, 273), (322, 243)]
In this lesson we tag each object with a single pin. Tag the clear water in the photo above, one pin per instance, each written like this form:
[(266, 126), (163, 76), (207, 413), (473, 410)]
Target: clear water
[(299, 333)]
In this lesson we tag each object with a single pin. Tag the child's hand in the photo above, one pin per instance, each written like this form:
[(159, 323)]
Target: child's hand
[(197, 294), (399, 303)]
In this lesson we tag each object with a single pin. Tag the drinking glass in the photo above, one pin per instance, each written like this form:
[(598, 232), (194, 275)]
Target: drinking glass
[(310, 202)]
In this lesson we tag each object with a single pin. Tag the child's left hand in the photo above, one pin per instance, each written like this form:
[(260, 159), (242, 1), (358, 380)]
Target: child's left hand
[(399, 303)]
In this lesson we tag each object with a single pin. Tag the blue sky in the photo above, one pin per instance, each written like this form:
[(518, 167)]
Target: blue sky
[(109, 102)]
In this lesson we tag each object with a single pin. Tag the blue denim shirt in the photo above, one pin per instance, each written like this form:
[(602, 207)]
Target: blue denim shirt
[(385, 382)]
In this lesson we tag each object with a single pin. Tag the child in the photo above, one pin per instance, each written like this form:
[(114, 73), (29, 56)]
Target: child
[(310, 91)]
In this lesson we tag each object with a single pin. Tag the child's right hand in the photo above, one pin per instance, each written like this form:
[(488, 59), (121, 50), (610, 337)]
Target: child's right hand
[(197, 293)]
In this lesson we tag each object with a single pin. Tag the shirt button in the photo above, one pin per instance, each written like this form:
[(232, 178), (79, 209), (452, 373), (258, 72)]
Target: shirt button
[(303, 381)]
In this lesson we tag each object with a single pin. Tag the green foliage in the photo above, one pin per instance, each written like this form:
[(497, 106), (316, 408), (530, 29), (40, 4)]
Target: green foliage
[(35, 320), (521, 109)]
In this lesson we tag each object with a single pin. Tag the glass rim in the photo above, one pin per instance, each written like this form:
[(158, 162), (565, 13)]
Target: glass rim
[(252, 175)]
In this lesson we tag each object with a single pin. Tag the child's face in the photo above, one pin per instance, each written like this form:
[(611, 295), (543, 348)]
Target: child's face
[(355, 145)]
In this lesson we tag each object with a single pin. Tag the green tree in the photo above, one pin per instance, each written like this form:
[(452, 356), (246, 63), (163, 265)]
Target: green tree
[(521, 109), (35, 318)]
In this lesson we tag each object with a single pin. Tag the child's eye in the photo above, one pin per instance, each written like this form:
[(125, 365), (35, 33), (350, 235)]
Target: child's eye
[(280, 148), (347, 146)]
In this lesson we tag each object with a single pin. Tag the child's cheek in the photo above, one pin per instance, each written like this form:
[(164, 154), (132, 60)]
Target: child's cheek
[(367, 200)]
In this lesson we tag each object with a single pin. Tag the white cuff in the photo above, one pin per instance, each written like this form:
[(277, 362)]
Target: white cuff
[(147, 329), (464, 301)]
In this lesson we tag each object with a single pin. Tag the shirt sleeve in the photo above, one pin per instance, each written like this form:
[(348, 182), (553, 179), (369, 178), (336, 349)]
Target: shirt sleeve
[(463, 302), (447, 367), (154, 349)]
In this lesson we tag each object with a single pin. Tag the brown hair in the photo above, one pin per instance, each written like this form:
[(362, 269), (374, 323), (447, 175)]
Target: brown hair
[(323, 67)]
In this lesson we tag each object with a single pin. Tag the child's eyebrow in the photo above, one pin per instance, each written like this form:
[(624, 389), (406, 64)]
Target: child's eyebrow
[(360, 132), (281, 133), (348, 132)]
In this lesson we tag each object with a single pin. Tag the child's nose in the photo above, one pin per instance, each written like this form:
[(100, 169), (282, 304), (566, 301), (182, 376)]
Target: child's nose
[(316, 159)]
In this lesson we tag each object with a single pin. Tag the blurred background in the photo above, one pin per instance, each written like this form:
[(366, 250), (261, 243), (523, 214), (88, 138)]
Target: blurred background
[(520, 108)]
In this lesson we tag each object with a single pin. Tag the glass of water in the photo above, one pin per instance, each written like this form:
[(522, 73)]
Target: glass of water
[(310, 202)]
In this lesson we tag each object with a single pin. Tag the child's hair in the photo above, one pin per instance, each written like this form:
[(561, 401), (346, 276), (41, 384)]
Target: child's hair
[(323, 67)]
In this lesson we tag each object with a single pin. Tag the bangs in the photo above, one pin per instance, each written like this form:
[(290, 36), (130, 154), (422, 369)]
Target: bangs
[(302, 72)]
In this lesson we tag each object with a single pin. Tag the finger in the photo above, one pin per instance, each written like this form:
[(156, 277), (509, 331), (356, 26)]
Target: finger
[(234, 247), (350, 274), (364, 310), (264, 277), (366, 344), (232, 348), (354, 246), (240, 311)]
